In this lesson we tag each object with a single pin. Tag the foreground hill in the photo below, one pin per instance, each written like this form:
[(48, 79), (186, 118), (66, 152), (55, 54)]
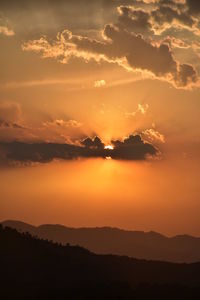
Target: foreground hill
[(138, 244), (38, 269)]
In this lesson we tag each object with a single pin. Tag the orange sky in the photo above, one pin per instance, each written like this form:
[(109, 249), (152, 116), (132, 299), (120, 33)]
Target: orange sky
[(78, 69), (141, 196)]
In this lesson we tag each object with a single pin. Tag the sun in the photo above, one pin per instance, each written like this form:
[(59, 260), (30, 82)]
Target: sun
[(110, 147)]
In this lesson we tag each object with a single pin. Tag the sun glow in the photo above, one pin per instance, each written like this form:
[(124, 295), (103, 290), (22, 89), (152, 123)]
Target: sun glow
[(110, 147)]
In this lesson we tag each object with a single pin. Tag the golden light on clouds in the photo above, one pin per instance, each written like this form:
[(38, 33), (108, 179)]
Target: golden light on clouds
[(90, 97), (6, 31), (99, 83)]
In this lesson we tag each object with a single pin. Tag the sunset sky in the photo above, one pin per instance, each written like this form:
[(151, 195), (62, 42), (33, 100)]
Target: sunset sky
[(125, 71)]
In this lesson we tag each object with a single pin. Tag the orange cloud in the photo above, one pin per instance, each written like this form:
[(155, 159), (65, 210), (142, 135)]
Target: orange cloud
[(62, 123), (154, 136), (6, 31), (99, 83), (124, 45)]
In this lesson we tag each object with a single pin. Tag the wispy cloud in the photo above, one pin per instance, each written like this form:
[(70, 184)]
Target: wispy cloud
[(141, 108), (63, 123), (99, 83), (153, 135), (6, 31)]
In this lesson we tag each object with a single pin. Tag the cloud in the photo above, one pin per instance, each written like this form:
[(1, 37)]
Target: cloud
[(63, 4), (124, 45), (177, 43), (141, 108), (153, 136), (6, 31), (171, 14), (131, 148), (14, 127), (186, 74), (99, 83), (94, 143), (136, 20), (10, 115), (194, 6), (7, 124), (158, 19), (63, 123)]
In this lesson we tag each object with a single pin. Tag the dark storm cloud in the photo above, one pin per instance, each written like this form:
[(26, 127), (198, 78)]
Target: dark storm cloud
[(132, 148)]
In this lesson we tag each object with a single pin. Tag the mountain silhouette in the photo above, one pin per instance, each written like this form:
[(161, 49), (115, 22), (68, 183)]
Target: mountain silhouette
[(106, 240), (33, 268)]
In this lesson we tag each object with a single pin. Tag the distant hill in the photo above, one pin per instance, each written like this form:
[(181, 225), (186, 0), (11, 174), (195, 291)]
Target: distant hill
[(37, 269), (106, 240)]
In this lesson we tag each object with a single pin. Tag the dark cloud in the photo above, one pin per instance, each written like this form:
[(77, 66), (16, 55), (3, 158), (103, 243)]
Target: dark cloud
[(86, 14), (166, 14), (189, 6), (128, 42), (95, 143), (140, 54), (159, 18), (186, 74), (194, 6), (139, 20), (132, 148), (136, 20)]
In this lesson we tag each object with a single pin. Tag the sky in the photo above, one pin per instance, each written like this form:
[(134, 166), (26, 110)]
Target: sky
[(100, 113)]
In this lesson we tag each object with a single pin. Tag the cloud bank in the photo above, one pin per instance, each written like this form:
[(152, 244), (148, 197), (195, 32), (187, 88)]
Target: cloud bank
[(135, 41), (131, 148)]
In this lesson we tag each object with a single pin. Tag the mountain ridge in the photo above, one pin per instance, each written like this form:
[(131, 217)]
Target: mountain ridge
[(34, 268), (10, 221), (111, 240)]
